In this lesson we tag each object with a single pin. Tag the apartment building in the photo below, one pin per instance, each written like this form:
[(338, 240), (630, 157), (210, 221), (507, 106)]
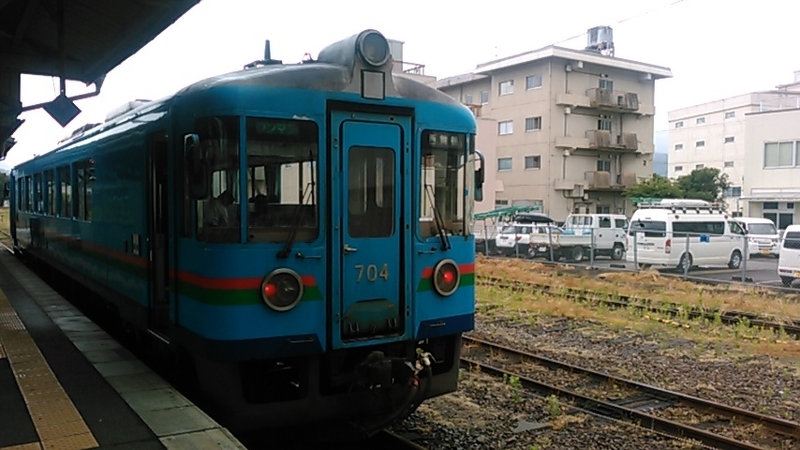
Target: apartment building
[(574, 128), (715, 134)]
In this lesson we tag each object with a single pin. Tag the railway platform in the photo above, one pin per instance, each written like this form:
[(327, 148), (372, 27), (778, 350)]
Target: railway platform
[(66, 384)]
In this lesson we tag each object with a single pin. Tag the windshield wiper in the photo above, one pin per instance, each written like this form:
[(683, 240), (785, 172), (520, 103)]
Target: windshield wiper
[(297, 215), (437, 219)]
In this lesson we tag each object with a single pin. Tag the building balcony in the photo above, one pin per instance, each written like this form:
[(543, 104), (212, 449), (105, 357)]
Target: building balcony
[(606, 100), (607, 181), (605, 140), (570, 142)]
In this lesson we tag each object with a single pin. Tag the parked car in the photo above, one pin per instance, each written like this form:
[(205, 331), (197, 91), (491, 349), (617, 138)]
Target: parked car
[(514, 239), (762, 236), (789, 260)]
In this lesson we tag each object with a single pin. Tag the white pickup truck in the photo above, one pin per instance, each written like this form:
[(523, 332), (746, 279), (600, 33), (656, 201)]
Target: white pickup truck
[(606, 233)]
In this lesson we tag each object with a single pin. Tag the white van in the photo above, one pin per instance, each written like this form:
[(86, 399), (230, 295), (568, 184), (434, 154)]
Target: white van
[(609, 232), (789, 260), (658, 234), (762, 236)]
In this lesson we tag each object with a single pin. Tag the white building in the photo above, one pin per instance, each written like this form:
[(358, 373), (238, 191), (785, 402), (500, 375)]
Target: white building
[(715, 134)]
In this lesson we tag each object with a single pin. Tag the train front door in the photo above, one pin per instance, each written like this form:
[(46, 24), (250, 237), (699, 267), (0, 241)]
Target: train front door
[(158, 226), (370, 204)]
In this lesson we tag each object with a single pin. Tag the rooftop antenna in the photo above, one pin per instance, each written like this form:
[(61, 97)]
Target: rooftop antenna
[(267, 58)]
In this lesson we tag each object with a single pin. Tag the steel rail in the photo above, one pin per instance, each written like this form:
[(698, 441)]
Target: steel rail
[(606, 408)]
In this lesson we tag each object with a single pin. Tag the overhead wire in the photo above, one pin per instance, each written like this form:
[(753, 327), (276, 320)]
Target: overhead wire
[(623, 20)]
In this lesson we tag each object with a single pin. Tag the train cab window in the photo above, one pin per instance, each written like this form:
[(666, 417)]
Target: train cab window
[(65, 182), (282, 179), (444, 172), (218, 214)]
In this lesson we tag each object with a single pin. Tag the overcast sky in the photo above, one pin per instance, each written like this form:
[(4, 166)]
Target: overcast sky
[(715, 48)]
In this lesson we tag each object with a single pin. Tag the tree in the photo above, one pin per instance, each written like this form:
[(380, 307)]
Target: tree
[(708, 184), (655, 187)]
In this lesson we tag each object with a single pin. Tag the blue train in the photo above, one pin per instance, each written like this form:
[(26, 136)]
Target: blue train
[(300, 234)]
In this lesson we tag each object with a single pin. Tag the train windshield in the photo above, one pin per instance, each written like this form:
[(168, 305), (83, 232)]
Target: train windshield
[(282, 177), (445, 205)]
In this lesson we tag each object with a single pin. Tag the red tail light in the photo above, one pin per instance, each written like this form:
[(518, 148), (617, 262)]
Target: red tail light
[(668, 247), (446, 277), (282, 289)]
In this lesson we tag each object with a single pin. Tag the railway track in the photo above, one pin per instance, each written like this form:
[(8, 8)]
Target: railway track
[(714, 424), (729, 317)]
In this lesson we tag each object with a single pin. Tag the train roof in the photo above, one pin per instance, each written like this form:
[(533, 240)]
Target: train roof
[(338, 68)]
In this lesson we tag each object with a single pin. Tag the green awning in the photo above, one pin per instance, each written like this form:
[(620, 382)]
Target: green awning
[(509, 211)]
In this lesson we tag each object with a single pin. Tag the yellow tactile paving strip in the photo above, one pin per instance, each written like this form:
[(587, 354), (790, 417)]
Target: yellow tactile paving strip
[(57, 421)]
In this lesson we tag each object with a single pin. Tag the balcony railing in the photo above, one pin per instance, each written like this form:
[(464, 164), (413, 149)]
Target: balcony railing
[(605, 140)]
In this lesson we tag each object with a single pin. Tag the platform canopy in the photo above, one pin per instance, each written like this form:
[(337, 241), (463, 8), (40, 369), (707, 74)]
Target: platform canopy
[(78, 40)]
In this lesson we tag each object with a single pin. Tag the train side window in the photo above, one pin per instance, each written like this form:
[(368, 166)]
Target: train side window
[(217, 215), (28, 194), (51, 192), (37, 193), (78, 190), (65, 208), (84, 177)]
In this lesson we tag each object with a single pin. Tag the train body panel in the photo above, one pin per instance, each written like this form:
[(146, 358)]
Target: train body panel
[(304, 228)]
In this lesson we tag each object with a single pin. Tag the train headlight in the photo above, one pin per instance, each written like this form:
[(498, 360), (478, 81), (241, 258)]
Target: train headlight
[(446, 277), (282, 289), (373, 48)]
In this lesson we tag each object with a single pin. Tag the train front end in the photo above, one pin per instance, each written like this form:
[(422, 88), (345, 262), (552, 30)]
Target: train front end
[(352, 194)]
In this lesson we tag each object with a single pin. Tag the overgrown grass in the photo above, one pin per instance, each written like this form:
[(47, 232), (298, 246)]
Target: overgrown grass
[(650, 285), (714, 338)]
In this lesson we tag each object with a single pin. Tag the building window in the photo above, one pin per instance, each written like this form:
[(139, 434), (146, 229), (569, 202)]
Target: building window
[(604, 165), (506, 127), (533, 162), (501, 203), (728, 163), (729, 139), (699, 166), (604, 124), (468, 99), (733, 191), (700, 144), (678, 168), (506, 87), (606, 84), (533, 82), (781, 154), (679, 124), (678, 146), (504, 164), (533, 123), (730, 114), (700, 120), (484, 97)]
